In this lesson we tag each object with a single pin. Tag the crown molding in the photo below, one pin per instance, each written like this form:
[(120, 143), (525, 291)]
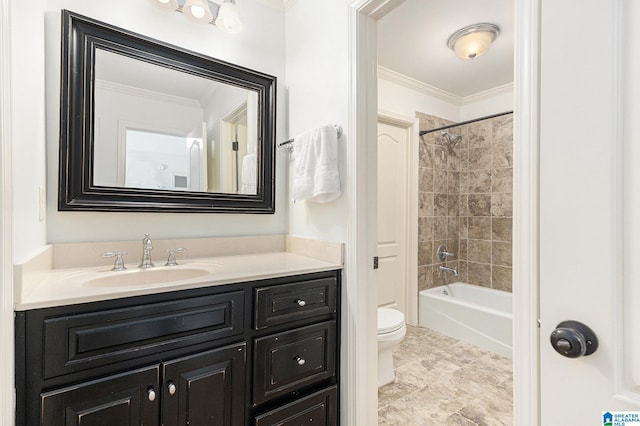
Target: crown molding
[(427, 89), (412, 83), (147, 94), (490, 93)]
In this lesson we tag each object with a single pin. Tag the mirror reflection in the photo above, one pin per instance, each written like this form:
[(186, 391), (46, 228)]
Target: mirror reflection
[(161, 128)]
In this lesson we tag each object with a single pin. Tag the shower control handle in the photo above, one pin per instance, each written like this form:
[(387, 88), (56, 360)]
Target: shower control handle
[(443, 253), (573, 339)]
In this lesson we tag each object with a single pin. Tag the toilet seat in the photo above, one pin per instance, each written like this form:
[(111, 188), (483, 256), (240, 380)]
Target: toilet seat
[(389, 320)]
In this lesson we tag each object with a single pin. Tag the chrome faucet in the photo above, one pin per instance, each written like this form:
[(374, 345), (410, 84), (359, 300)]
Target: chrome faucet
[(171, 259), (118, 265), (454, 271), (147, 246)]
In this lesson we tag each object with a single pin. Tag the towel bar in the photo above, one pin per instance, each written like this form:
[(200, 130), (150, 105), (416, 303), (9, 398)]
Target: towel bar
[(288, 144)]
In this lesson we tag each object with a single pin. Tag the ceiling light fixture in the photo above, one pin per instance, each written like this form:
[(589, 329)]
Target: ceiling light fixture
[(224, 16), (474, 40)]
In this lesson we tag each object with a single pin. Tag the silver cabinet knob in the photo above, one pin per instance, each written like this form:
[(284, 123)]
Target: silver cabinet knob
[(171, 388), (151, 394), (299, 360), (301, 302)]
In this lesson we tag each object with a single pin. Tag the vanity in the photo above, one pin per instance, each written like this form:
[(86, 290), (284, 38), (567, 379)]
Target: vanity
[(207, 350), (244, 331)]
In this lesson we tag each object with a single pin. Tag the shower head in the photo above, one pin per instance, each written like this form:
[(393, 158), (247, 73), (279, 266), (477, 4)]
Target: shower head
[(449, 139)]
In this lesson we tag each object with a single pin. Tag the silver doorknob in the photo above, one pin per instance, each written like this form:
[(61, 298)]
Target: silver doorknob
[(299, 360), (301, 302), (151, 394), (573, 339), (171, 388)]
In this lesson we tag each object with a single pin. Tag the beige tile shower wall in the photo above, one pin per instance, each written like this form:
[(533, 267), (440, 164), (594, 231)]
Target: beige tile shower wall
[(439, 201), (466, 203), (486, 200)]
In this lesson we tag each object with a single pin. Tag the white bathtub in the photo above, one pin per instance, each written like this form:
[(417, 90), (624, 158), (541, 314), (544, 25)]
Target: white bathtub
[(477, 315)]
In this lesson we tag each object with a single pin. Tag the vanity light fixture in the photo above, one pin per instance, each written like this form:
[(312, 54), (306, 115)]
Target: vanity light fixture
[(224, 16), (198, 11), (474, 40)]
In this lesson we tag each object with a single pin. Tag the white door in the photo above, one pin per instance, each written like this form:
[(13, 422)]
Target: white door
[(590, 206), (393, 179)]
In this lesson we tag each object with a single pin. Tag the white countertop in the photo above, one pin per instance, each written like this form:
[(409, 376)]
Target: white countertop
[(74, 285), (43, 283)]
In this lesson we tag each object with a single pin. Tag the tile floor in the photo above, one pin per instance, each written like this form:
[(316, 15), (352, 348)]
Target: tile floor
[(443, 381)]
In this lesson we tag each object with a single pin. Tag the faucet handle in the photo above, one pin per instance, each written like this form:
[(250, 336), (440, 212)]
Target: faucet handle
[(147, 244), (171, 259), (118, 265), (443, 253)]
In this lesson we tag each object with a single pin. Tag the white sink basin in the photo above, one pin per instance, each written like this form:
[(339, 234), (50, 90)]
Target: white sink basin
[(141, 277)]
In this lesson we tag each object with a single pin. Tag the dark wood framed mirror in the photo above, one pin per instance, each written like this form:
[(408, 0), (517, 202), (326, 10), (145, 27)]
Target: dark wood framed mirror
[(150, 127)]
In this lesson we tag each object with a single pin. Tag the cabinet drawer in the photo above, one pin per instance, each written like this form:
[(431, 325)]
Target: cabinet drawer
[(289, 361), (319, 408), (87, 340), (291, 302)]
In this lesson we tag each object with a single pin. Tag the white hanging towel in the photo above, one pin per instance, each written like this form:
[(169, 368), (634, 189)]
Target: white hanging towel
[(315, 154), (248, 179)]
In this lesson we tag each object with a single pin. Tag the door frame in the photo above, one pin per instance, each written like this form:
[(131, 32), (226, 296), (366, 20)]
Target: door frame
[(526, 213), (411, 125), (7, 372), (360, 392)]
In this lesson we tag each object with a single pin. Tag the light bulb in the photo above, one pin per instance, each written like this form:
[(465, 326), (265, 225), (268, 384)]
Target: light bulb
[(228, 19), (197, 11)]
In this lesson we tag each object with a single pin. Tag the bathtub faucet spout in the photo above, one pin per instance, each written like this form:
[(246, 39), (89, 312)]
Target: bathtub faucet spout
[(454, 271)]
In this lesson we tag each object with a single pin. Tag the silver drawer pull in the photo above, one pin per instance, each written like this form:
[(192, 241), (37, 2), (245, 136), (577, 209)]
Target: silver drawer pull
[(299, 360), (151, 394), (171, 388), (301, 302)]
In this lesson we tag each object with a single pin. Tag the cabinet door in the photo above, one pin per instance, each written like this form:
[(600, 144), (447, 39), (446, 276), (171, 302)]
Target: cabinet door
[(124, 399), (207, 388)]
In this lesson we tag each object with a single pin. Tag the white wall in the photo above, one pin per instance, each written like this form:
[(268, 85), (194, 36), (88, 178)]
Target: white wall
[(317, 86), (260, 46), (27, 124), (494, 101), (397, 98)]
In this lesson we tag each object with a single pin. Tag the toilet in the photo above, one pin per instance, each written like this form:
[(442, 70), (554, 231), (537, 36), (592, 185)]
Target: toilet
[(391, 331)]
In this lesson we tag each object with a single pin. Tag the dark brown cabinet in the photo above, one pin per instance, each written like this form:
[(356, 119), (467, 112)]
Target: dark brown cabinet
[(123, 399), (205, 389), (202, 389), (256, 353)]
